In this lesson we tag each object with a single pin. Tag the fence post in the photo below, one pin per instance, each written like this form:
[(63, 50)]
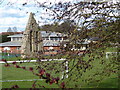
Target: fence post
[(66, 69)]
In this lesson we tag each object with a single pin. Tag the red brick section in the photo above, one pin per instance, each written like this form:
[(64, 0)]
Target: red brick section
[(50, 52), (54, 47), (53, 51), (13, 49), (10, 33)]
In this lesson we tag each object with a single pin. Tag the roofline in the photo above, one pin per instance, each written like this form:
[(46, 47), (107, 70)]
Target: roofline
[(10, 46), (50, 45), (7, 45), (15, 36)]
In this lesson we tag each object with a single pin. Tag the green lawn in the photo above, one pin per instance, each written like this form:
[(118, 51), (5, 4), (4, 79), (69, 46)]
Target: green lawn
[(12, 73), (28, 84), (109, 81)]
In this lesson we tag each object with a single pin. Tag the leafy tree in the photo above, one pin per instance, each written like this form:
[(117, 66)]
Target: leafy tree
[(93, 19), (4, 38), (47, 27), (65, 27), (14, 29), (9, 29)]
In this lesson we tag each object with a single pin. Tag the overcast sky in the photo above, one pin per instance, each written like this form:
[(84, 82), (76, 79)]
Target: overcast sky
[(16, 15)]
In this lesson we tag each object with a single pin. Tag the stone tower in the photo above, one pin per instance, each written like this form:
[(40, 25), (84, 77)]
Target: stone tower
[(32, 40)]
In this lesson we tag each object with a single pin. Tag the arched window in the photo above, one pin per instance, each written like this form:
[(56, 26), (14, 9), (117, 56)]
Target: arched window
[(30, 40), (36, 39)]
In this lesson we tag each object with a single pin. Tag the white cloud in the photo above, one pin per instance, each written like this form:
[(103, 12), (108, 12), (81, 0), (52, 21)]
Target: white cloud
[(12, 22), (54, 1), (11, 17), (15, 15)]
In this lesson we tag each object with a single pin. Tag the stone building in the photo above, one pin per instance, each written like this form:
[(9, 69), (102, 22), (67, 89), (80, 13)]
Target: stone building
[(32, 40)]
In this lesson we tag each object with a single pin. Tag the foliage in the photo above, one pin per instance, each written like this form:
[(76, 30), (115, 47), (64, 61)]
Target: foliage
[(4, 38), (14, 29), (93, 19), (65, 27), (9, 29)]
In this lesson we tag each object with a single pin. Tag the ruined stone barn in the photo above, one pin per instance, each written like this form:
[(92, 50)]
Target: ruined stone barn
[(32, 40), (36, 42)]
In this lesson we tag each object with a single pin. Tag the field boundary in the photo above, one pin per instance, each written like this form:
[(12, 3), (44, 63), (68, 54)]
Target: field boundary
[(62, 59), (34, 60), (109, 53), (21, 80)]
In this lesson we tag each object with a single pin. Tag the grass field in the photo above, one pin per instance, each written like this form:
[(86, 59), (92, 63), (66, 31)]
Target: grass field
[(12, 73), (109, 81)]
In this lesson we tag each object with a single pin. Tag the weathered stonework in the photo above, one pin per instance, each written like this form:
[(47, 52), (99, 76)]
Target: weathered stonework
[(32, 40)]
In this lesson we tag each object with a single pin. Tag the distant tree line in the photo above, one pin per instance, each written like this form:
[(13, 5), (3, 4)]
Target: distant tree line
[(14, 29), (65, 27), (10, 31)]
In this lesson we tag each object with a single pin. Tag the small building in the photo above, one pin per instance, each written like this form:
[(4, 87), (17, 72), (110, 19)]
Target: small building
[(16, 37), (12, 46), (51, 43)]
